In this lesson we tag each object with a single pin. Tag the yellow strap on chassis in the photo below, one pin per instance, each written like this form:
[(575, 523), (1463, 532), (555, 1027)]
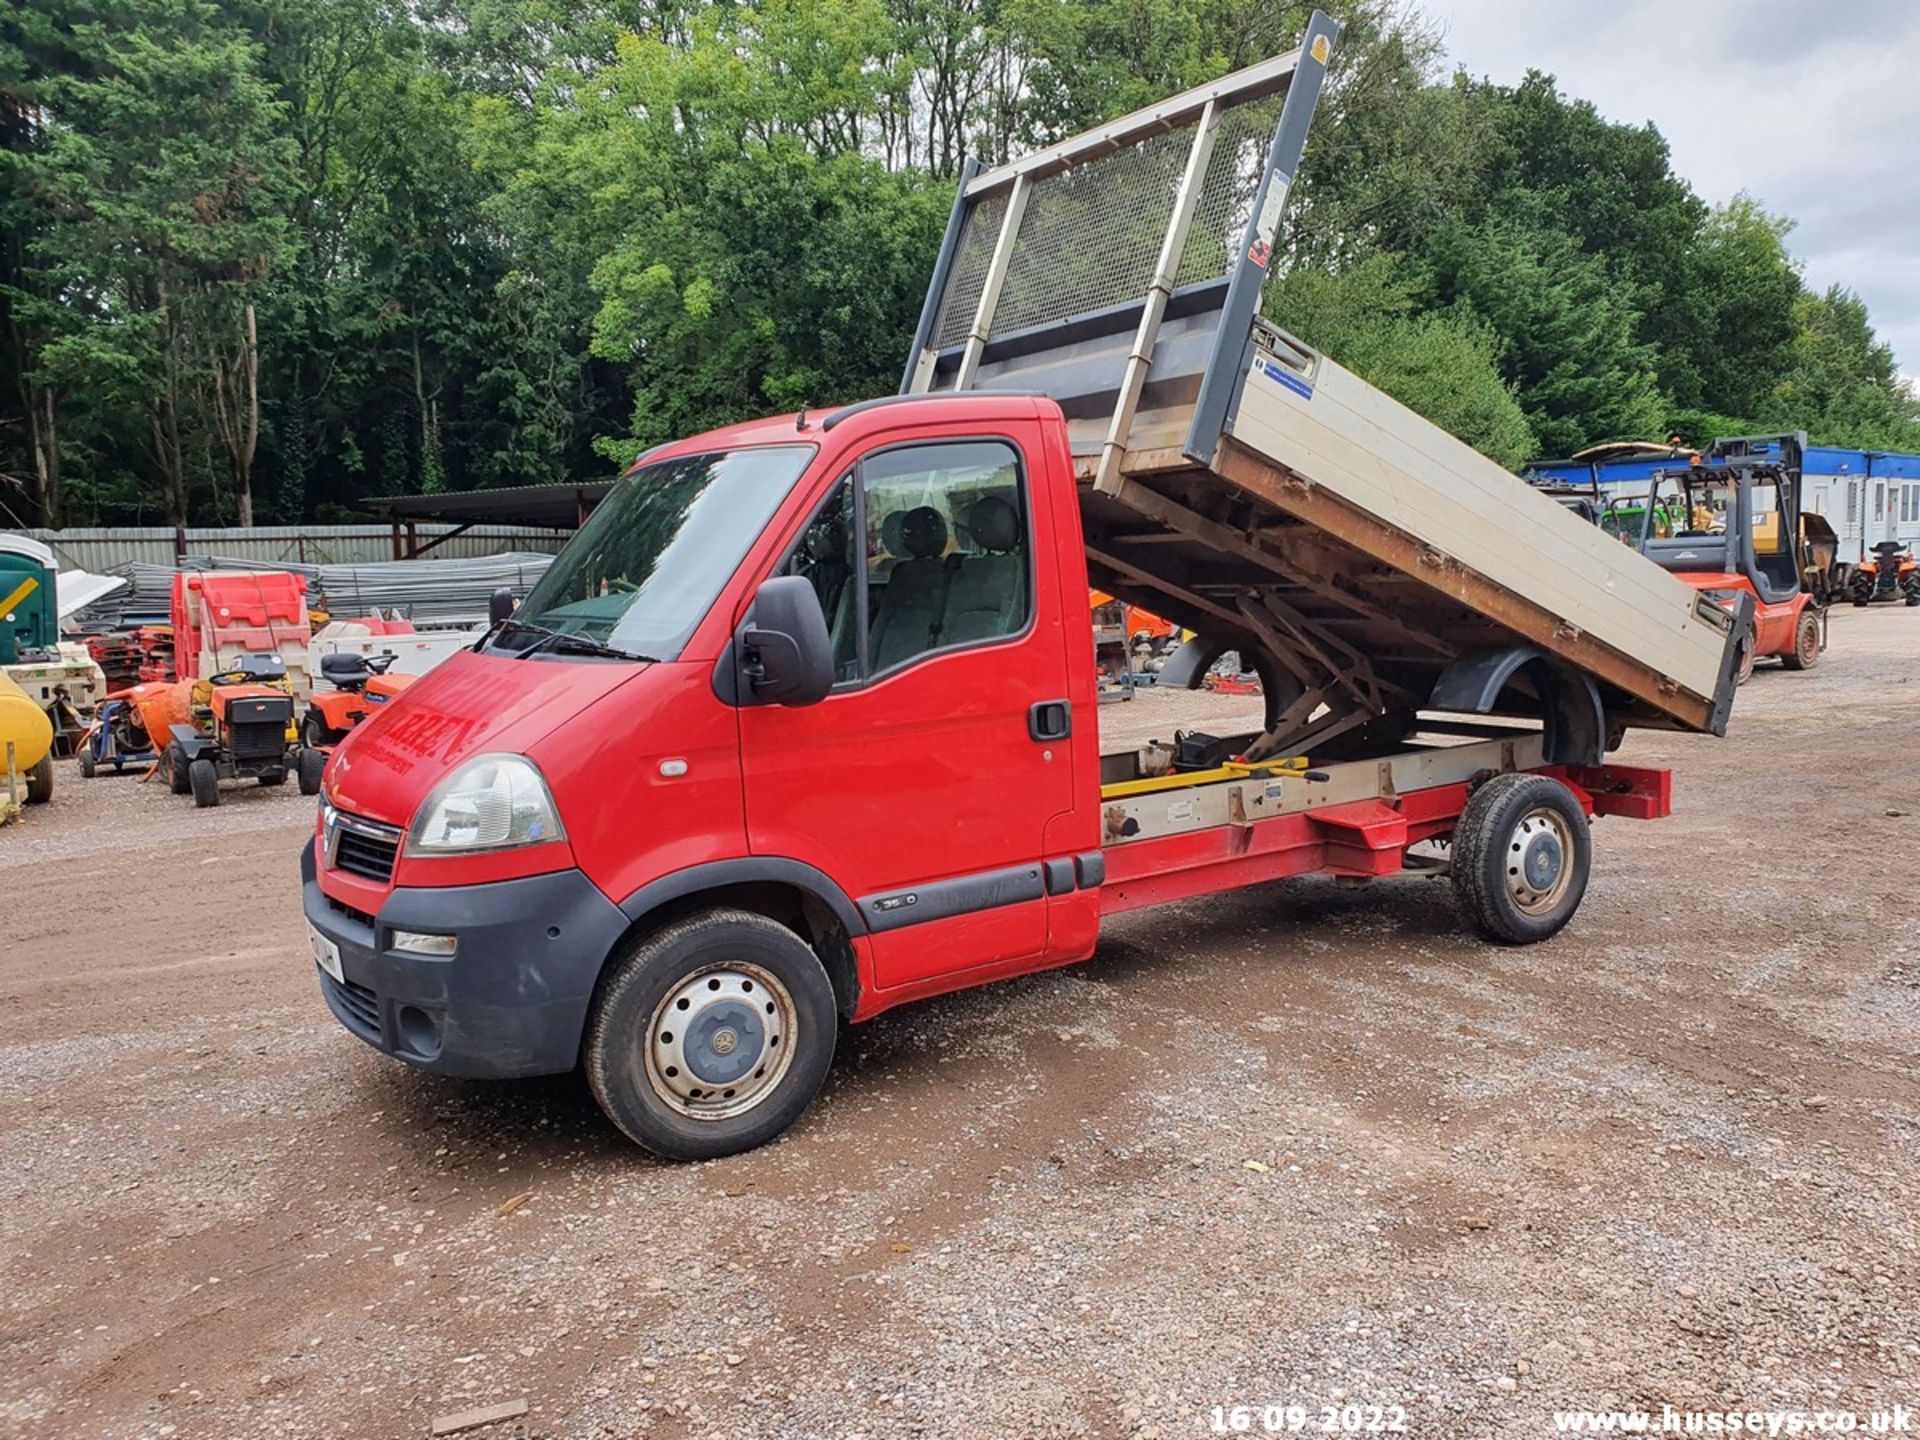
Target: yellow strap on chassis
[(1232, 770)]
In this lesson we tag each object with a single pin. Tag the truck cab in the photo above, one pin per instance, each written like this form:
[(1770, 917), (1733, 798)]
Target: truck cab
[(928, 817)]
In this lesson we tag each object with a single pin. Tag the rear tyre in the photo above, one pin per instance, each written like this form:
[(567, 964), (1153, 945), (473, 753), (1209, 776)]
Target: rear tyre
[(88, 767), (310, 766), (1747, 661), (1806, 643), (204, 781), (710, 1036), (40, 781), (174, 761), (1521, 855)]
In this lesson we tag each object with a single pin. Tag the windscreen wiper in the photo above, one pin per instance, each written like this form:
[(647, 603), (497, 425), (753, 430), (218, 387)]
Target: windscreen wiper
[(563, 642)]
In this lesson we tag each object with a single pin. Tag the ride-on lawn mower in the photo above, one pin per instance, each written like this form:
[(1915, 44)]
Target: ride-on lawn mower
[(361, 686), (1891, 574), (240, 722)]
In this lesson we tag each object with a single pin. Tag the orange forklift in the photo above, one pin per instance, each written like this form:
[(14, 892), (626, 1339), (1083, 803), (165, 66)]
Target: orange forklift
[(1733, 527)]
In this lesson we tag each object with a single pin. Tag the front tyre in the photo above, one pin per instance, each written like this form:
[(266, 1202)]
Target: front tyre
[(1521, 854), (710, 1036), (1806, 642), (311, 765), (204, 781), (173, 761)]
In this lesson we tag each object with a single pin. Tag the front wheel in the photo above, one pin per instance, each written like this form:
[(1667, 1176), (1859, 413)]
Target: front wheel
[(174, 761), (204, 781), (1521, 854), (311, 765), (710, 1036), (1806, 643), (89, 767)]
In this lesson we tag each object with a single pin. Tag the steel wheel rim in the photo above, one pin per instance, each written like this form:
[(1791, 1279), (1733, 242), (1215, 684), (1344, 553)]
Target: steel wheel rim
[(1539, 860), (720, 1041), (1809, 641)]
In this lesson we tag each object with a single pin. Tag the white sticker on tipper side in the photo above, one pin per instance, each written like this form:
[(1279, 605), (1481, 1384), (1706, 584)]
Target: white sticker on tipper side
[(1179, 811)]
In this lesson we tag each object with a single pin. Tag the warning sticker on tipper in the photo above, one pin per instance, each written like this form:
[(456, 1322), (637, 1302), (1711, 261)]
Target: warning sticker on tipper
[(1261, 251)]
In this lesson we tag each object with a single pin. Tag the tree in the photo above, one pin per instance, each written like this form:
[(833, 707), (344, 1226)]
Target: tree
[(1565, 331), (1442, 364)]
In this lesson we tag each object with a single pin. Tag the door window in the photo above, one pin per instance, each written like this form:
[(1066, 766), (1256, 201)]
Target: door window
[(944, 561), (946, 549), (828, 558)]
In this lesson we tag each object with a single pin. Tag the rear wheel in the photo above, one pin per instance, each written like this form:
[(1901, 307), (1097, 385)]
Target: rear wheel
[(1806, 642), (1521, 855), (174, 762), (88, 767), (1748, 659), (40, 781), (710, 1036), (204, 781)]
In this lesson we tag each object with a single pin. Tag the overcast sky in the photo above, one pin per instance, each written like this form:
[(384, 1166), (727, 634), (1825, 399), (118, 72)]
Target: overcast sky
[(1813, 108)]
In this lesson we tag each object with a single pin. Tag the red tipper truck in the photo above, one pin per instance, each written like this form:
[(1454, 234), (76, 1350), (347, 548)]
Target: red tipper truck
[(802, 724)]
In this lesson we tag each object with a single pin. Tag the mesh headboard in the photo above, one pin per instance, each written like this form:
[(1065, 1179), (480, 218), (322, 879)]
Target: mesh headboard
[(1121, 269)]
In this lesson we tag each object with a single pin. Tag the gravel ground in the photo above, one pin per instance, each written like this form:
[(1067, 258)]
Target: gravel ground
[(1307, 1144)]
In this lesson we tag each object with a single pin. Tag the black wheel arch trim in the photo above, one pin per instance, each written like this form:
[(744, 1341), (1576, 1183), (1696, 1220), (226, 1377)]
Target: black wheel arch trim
[(745, 870), (1575, 719)]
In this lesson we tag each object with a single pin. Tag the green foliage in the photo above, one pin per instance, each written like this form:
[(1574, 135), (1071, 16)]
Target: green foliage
[(488, 242), (1442, 363), (1564, 325)]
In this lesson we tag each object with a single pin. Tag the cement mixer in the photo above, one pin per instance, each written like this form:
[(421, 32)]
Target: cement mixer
[(26, 748)]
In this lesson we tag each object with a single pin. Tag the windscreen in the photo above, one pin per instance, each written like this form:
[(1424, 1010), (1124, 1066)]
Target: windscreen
[(643, 570)]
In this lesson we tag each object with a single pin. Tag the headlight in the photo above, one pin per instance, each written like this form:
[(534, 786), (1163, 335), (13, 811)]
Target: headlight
[(494, 802)]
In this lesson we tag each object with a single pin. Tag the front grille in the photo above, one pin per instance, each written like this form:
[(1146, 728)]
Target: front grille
[(361, 1005), (365, 855), (361, 847), (257, 739)]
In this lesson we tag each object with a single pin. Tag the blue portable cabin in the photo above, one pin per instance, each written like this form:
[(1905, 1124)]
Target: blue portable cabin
[(1867, 496)]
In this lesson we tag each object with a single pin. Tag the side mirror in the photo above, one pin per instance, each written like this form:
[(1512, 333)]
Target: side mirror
[(784, 653), (500, 606)]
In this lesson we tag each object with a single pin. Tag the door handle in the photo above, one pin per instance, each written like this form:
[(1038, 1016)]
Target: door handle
[(1050, 720)]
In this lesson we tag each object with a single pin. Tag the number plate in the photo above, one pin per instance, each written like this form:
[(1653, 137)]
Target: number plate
[(326, 954)]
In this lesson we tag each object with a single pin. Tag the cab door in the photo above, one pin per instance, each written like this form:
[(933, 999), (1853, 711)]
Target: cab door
[(924, 783)]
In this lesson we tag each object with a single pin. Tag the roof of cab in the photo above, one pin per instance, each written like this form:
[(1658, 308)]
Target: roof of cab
[(850, 422)]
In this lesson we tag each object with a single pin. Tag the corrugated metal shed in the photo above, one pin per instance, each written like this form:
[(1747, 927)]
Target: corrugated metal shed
[(275, 545)]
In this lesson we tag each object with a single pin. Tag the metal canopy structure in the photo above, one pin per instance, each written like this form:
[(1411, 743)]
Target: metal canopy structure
[(542, 507), (1120, 271)]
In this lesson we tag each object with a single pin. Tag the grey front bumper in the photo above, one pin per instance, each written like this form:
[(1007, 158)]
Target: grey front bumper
[(511, 1001)]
